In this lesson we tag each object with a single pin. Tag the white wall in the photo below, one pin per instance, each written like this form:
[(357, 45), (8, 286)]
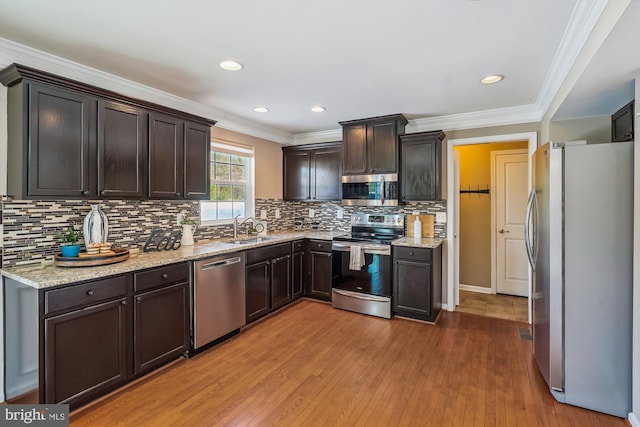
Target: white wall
[(634, 417)]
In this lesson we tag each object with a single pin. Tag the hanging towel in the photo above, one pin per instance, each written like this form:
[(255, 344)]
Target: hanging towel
[(356, 258)]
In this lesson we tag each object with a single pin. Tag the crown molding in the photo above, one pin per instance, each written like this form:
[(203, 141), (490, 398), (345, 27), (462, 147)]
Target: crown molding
[(12, 52), (321, 136), (583, 19)]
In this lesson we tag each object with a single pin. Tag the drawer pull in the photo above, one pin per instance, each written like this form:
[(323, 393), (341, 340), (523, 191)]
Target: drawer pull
[(139, 299), (165, 276), (91, 292), (410, 253)]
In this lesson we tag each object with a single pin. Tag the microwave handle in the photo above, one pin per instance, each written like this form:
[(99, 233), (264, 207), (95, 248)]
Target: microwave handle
[(382, 190)]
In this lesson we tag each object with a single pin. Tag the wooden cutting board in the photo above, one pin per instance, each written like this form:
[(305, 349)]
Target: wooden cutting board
[(427, 225)]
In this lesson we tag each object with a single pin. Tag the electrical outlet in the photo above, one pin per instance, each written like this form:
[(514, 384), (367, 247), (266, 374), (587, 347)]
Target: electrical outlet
[(179, 218), (441, 217), (339, 214), (263, 214), (312, 213), (277, 213)]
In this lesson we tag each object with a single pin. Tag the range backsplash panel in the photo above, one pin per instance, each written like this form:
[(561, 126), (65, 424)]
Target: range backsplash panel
[(29, 227)]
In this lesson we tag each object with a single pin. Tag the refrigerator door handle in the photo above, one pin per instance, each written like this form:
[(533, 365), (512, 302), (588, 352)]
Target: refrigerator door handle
[(532, 249)]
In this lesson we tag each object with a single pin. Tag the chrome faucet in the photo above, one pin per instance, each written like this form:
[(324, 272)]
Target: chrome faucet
[(235, 224)]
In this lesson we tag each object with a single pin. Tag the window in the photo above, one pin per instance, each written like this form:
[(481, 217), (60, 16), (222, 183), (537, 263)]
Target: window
[(231, 184)]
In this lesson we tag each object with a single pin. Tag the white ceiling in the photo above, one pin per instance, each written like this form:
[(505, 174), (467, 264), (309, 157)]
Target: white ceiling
[(422, 58)]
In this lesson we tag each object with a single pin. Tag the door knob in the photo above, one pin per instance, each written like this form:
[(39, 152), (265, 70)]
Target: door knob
[(502, 230)]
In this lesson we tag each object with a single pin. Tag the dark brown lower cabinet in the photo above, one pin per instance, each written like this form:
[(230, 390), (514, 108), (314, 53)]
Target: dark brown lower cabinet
[(161, 326), (320, 264), (298, 270), (86, 352), (98, 335), (258, 284), (280, 281), (417, 282)]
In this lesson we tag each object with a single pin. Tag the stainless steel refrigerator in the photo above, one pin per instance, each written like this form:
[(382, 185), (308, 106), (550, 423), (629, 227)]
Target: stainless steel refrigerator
[(580, 242)]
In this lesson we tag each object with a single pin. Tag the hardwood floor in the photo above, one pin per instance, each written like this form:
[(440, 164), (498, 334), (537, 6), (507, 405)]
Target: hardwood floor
[(494, 305), (312, 365)]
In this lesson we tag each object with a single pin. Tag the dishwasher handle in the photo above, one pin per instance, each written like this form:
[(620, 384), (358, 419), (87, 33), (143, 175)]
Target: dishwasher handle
[(223, 263)]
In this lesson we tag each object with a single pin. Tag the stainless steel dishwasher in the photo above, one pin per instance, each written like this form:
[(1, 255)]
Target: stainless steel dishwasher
[(218, 297)]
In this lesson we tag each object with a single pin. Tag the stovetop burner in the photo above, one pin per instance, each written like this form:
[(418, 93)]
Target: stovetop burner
[(374, 228)]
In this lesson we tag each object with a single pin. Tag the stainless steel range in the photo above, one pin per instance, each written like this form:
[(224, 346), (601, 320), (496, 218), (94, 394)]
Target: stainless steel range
[(362, 264)]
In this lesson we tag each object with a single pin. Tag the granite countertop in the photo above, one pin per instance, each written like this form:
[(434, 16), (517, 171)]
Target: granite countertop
[(42, 276), (418, 243)]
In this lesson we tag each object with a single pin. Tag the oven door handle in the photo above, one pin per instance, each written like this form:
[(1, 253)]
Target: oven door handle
[(360, 296), (367, 250), (382, 190)]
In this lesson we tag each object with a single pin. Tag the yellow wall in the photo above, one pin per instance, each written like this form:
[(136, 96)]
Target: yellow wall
[(268, 161), (475, 211)]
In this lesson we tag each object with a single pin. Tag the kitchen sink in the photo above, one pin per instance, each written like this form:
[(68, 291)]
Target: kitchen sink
[(251, 240)]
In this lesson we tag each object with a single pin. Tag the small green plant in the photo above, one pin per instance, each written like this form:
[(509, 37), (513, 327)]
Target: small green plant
[(189, 220), (70, 236)]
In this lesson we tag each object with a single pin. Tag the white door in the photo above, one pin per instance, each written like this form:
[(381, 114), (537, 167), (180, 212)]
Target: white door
[(510, 202)]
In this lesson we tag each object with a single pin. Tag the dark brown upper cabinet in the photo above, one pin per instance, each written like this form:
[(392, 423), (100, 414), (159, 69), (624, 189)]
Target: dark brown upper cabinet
[(122, 150), (312, 172), (622, 123), (197, 161), (72, 140), (420, 166), (166, 157), (179, 158), (371, 145), (50, 136)]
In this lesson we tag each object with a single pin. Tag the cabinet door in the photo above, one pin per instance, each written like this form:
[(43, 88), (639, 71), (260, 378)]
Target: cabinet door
[(354, 140), (165, 157), (412, 289), (122, 153), (197, 161), (161, 325), (258, 284), (86, 352), (296, 175), (320, 271), (297, 274), (419, 178), (382, 148), (326, 174), (61, 125), (280, 281)]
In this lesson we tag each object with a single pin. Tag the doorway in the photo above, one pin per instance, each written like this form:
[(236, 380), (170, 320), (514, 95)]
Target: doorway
[(454, 277)]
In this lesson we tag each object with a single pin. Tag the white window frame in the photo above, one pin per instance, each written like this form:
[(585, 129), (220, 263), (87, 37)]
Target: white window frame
[(222, 146)]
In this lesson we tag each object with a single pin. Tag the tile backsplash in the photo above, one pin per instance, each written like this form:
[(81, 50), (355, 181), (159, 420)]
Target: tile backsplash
[(29, 227)]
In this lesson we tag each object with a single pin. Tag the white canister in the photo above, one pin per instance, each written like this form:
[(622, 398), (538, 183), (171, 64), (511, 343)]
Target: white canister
[(417, 228), (187, 235)]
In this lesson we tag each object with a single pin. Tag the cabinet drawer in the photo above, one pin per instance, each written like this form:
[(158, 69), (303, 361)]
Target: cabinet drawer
[(161, 276), (268, 252), (320, 245), (297, 246), (84, 294), (413, 254)]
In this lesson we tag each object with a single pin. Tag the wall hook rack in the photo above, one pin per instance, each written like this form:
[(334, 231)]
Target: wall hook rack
[(476, 191)]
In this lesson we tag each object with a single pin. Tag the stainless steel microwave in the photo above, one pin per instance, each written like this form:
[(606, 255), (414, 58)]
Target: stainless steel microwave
[(370, 190)]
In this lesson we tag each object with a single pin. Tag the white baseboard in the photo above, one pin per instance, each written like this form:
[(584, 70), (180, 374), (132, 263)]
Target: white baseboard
[(634, 420), (473, 288)]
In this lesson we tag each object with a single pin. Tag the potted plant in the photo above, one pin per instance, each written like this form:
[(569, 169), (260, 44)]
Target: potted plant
[(69, 239), (188, 227)]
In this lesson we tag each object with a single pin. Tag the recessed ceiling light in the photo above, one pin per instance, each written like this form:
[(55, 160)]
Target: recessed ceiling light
[(231, 65), (318, 109), (491, 79), (261, 110)]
